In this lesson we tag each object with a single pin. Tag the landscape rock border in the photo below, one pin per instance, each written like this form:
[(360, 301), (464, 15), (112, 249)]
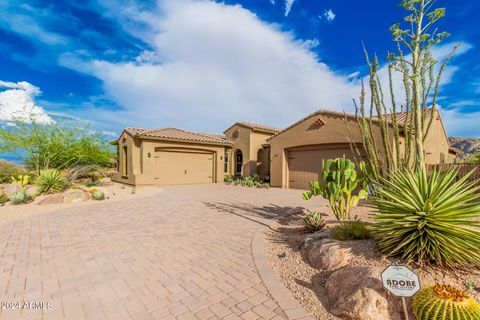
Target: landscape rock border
[(282, 296)]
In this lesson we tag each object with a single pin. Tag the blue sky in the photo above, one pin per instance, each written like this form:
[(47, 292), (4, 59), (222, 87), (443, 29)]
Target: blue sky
[(202, 65)]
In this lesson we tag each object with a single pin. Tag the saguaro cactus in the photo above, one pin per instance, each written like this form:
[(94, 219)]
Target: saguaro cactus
[(441, 302), (338, 182)]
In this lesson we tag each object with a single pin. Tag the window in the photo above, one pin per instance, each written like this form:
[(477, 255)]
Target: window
[(238, 162), (225, 164), (124, 161)]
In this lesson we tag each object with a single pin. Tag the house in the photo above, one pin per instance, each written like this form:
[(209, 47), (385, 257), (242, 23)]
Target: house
[(287, 158)]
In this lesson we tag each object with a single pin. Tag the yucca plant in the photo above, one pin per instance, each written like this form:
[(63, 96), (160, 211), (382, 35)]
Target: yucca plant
[(430, 219), (442, 302), (51, 181)]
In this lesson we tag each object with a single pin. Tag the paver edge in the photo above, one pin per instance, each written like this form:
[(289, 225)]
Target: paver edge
[(275, 288)]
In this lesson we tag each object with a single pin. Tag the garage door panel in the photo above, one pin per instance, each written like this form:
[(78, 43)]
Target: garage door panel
[(305, 166), (183, 167)]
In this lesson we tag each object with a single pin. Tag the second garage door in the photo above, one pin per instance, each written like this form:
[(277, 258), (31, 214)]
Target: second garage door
[(183, 167), (306, 165)]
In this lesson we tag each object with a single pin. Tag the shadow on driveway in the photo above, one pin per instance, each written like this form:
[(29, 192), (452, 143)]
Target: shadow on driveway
[(252, 212)]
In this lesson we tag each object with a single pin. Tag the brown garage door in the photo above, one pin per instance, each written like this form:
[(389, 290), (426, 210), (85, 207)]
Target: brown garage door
[(306, 165), (183, 167)]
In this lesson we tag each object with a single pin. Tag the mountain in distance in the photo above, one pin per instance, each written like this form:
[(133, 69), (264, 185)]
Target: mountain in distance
[(469, 146)]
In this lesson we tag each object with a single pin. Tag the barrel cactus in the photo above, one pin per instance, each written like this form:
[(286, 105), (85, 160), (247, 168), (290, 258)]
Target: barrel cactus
[(338, 183), (442, 302)]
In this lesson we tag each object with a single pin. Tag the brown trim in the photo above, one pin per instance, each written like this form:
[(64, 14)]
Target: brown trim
[(184, 141)]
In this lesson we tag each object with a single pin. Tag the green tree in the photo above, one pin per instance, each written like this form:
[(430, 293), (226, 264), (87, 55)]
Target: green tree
[(420, 73), (43, 146)]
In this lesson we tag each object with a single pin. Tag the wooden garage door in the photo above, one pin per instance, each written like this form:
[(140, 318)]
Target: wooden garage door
[(183, 167), (306, 165)]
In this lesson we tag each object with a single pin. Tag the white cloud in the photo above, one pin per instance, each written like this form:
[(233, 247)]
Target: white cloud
[(288, 6), (461, 124), (17, 102), (204, 77), (329, 15)]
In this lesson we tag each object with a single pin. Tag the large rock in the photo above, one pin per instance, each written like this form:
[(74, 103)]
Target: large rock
[(106, 181), (356, 293), (50, 199), (74, 196), (328, 254), (11, 189), (311, 238)]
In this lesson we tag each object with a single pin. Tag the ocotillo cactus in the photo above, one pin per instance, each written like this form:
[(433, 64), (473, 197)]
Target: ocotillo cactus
[(339, 180), (442, 302)]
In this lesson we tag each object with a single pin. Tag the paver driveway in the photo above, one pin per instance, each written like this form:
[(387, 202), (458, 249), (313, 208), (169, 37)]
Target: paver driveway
[(184, 253)]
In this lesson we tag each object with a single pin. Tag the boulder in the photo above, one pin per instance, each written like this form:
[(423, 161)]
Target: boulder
[(328, 254), (356, 293), (32, 190), (11, 189), (74, 196), (50, 199), (311, 238)]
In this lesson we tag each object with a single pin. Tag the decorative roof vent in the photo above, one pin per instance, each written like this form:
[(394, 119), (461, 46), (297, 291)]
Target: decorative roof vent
[(319, 122)]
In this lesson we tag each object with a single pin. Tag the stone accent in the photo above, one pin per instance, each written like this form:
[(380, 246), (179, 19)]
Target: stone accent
[(328, 254)]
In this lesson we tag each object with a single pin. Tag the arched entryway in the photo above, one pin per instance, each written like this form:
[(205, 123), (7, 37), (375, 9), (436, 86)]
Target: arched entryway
[(238, 162)]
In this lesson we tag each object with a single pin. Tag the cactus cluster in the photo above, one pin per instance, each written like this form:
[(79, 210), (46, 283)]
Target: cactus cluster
[(338, 182), (314, 221), (442, 302)]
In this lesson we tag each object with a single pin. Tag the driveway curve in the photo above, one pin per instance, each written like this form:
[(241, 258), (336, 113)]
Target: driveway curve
[(185, 253)]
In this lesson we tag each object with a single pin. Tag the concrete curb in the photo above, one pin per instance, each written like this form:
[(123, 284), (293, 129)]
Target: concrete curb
[(291, 307)]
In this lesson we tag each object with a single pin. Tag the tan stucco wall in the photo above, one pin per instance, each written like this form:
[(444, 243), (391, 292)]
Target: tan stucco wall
[(249, 142), (141, 168), (436, 144), (334, 132)]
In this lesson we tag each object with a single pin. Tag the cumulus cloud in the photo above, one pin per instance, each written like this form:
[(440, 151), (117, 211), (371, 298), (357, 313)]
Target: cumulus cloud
[(17, 102), (329, 15), (461, 124), (204, 77), (288, 6)]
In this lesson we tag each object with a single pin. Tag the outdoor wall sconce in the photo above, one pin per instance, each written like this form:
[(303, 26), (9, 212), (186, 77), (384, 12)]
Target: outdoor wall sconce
[(149, 155), (221, 158)]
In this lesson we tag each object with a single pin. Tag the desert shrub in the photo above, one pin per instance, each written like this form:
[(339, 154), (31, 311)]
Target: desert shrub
[(444, 302), (228, 179), (98, 195), (249, 181), (314, 221), (337, 184), (351, 230), (21, 197), (3, 197), (9, 170), (90, 172), (51, 181), (44, 146), (429, 219)]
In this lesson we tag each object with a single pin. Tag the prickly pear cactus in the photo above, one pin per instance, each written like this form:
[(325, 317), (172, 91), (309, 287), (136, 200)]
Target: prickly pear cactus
[(337, 184), (444, 302)]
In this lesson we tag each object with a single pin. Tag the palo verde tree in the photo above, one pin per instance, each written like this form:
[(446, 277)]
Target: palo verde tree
[(419, 73)]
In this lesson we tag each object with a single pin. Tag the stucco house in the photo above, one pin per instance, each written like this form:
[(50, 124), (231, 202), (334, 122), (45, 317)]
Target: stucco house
[(287, 158)]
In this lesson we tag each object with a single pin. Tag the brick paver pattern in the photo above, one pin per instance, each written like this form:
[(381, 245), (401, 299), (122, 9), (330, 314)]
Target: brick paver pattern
[(184, 253)]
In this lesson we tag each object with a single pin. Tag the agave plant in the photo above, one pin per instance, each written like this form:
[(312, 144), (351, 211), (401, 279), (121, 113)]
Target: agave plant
[(430, 219), (51, 181)]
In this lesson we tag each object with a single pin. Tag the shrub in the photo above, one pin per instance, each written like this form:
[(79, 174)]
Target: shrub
[(44, 146), (429, 219), (314, 221), (9, 170), (20, 197), (338, 182), (444, 302), (351, 230), (3, 197), (228, 179), (98, 195), (51, 181)]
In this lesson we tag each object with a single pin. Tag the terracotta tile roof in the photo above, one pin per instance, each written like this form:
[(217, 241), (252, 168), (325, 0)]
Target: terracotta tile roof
[(404, 117), (178, 134), (256, 127)]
